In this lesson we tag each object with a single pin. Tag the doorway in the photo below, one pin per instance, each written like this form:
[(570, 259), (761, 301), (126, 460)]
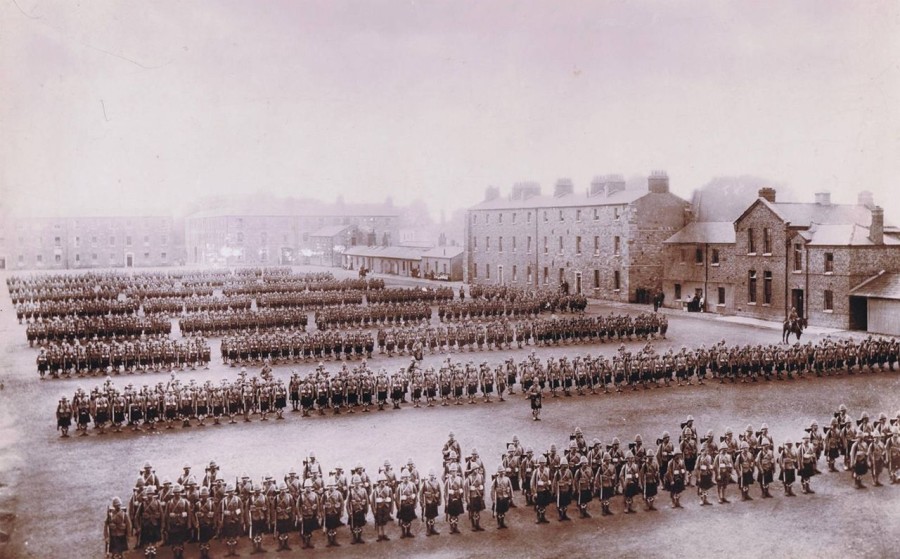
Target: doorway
[(500, 274), (577, 283), (859, 313), (129, 260), (797, 301)]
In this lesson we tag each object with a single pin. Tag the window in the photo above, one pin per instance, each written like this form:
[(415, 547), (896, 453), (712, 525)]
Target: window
[(513, 244), (487, 244), (751, 244), (487, 271), (561, 217), (617, 241), (767, 288), (499, 244), (678, 292), (57, 258), (530, 278), (528, 244), (617, 280), (146, 240), (528, 217), (546, 216), (77, 258), (165, 240), (146, 256), (714, 257), (616, 213), (829, 300), (683, 255), (596, 214), (698, 256), (40, 258), (767, 241), (475, 270), (578, 245), (240, 237), (798, 257), (562, 275), (514, 273), (751, 287), (163, 256), (546, 275), (546, 246), (94, 257), (560, 244), (514, 218), (829, 262), (57, 241), (474, 219), (94, 240), (500, 218), (128, 240), (474, 243), (721, 296), (77, 241), (577, 215), (596, 279), (596, 245)]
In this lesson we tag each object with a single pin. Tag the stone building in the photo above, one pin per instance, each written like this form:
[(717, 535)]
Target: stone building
[(287, 232), (443, 262), (54, 243), (808, 256), (606, 242)]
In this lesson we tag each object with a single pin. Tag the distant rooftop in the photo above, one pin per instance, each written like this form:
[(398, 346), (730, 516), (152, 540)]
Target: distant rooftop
[(567, 201), (704, 232), (397, 253)]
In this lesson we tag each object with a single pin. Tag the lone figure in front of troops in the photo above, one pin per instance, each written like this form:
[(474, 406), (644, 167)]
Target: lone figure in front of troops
[(430, 500), (116, 530), (501, 496), (534, 394)]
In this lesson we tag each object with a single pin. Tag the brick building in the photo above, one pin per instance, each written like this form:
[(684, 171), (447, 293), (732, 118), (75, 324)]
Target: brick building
[(55, 243), (803, 255), (287, 232), (605, 243)]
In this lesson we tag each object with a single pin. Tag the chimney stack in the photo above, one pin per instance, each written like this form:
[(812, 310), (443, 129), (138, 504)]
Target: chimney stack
[(563, 187), (768, 194), (491, 193), (866, 199), (525, 190), (598, 186), (614, 183), (876, 230), (658, 182), (823, 198)]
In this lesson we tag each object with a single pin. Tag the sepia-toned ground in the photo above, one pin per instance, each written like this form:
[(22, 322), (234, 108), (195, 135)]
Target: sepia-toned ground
[(53, 492)]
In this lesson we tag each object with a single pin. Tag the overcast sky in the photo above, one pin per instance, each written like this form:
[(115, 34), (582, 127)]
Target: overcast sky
[(137, 107)]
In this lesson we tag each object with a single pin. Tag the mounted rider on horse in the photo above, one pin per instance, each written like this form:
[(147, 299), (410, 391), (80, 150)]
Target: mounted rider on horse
[(793, 324)]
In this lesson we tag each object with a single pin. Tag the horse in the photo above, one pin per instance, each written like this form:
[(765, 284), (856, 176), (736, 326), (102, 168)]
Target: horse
[(789, 327)]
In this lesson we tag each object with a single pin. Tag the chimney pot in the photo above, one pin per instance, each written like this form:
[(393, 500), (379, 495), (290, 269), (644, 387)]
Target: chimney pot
[(491, 193), (563, 187), (598, 186), (658, 182), (614, 183)]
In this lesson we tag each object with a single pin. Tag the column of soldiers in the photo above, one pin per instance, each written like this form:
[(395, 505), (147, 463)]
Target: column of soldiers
[(115, 356), (171, 404), (583, 472)]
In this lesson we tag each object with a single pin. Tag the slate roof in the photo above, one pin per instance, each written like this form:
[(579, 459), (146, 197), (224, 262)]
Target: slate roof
[(703, 232), (567, 201), (842, 235), (882, 286), (443, 252), (397, 253)]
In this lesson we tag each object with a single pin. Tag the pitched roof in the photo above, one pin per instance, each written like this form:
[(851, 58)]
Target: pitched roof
[(842, 235), (394, 252), (329, 231), (703, 232), (804, 214), (443, 252), (567, 201), (882, 286)]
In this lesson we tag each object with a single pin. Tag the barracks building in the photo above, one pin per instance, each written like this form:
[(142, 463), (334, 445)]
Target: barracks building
[(605, 243)]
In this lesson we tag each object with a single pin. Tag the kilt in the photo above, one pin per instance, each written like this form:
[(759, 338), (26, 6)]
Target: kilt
[(431, 510), (306, 401), (152, 414), (64, 421), (861, 468), (207, 532), (833, 453), (234, 407), (310, 524), (808, 470), (382, 395), (705, 481), (171, 413), (747, 478), (488, 387), (788, 476), (651, 489), (407, 513), (333, 521), (177, 535), (118, 544), (632, 489), (358, 519), (606, 493), (382, 514), (514, 480), (101, 417), (280, 402), (284, 525), (501, 506), (454, 507), (677, 485), (543, 498), (352, 398), (585, 496), (150, 533), (136, 414), (475, 504), (764, 477), (231, 529), (564, 498), (260, 527), (202, 410), (84, 417)]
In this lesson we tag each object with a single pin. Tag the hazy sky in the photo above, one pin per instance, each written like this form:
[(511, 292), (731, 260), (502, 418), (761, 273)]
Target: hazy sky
[(110, 107)]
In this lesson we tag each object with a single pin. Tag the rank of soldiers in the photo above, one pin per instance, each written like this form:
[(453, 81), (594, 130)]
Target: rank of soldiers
[(309, 300), (213, 323), (372, 315), (114, 356), (286, 345), (307, 500), (43, 310), (288, 285), (409, 294), (71, 328)]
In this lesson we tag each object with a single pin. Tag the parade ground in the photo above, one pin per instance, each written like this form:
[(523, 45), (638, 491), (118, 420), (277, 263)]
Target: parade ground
[(54, 492)]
